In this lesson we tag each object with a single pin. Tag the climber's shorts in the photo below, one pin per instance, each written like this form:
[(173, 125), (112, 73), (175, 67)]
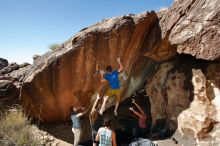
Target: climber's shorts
[(114, 92)]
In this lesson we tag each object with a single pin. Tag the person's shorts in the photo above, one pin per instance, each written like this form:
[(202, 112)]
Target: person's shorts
[(114, 92)]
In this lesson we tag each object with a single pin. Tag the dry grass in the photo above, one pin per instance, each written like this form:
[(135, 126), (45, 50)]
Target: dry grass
[(15, 129)]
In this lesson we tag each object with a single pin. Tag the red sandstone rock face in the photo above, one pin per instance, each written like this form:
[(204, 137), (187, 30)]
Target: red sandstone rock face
[(67, 76)]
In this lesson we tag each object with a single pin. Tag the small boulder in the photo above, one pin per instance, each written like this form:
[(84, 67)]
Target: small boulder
[(3, 63)]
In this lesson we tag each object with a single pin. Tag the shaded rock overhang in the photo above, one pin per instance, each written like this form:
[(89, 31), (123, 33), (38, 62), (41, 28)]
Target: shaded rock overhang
[(67, 76)]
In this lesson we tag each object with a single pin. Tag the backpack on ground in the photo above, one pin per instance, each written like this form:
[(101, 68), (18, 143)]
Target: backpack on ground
[(142, 142)]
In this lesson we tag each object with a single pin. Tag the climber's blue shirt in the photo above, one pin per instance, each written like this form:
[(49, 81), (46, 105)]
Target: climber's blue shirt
[(113, 80)]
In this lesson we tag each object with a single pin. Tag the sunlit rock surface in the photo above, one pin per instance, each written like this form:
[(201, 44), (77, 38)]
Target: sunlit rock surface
[(170, 89), (185, 94), (183, 89), (193, 26), (201, 119), (67, 76)]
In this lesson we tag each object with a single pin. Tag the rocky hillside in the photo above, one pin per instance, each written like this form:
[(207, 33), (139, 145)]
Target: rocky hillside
[(176, 52), (11, 77)]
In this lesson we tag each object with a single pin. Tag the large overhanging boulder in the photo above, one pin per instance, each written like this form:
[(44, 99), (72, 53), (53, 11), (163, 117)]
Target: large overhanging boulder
[(67, 77)]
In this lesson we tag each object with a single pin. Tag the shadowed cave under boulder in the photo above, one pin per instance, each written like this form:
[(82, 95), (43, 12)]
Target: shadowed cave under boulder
[(126, 125)]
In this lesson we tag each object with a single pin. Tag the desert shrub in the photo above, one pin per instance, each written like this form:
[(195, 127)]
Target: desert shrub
[(15, 129), (54, 46)]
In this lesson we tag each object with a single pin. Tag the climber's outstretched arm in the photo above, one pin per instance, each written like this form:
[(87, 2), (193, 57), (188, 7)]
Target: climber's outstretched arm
[(102, 76), (120, 65), (135, 112), (139, 108)]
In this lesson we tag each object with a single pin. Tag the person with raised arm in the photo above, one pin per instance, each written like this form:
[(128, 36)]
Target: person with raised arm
[(76, 124), (141, 118), (112, 77)]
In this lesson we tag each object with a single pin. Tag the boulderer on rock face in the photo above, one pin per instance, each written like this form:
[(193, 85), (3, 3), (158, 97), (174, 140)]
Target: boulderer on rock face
[(67, 77), (183, 91), (152, 41)]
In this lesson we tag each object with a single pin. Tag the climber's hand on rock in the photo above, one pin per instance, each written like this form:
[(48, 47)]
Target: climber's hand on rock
[(105, 97), (133, 101), (97, 66), (131, 108), (102, 72), (119, 60), (83, 108), (98, 97)]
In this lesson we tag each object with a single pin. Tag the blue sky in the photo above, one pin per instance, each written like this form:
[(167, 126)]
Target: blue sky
[(28, 27)]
